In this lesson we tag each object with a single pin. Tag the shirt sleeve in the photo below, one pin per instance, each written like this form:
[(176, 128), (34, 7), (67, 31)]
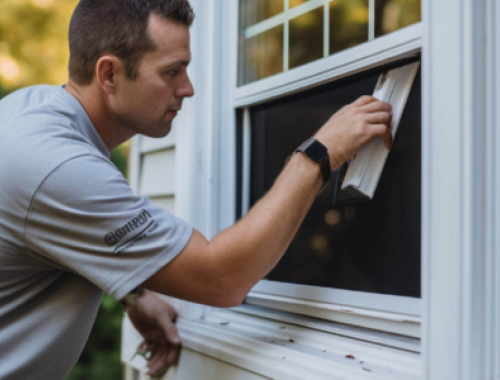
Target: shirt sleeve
[(84, 218)]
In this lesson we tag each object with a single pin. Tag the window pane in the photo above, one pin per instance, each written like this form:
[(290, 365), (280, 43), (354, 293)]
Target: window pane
[(306, 38), (263, 55), (370, 246), (391, 15), (254, 11), (348, 24), (295, 3)]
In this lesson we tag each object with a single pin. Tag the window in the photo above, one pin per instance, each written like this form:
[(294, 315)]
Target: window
[(331, 270), (278, 35)]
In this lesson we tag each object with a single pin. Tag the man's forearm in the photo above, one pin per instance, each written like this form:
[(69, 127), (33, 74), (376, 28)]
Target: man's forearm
[(253, 246)]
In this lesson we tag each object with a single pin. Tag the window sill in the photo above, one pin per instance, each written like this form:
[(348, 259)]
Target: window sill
[(284, 351), (301, 349)]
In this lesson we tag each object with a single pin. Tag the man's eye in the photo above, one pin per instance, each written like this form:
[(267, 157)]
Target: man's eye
[(173, 73)]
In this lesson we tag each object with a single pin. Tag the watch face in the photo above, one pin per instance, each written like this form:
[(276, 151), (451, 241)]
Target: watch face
[(315, 150)]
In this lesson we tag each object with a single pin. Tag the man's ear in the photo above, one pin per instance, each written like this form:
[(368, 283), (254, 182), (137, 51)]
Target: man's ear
[(110, 73)]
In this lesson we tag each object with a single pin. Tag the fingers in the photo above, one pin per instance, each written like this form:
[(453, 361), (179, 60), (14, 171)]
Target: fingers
[(173, 355), (158, 363), (381, 130), (162, 359), (378, 118), (364, 100), (170, 330), (377, 106)]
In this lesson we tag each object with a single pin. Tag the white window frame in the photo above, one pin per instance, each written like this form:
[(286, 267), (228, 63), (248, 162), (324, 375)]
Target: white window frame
[(395, 314)]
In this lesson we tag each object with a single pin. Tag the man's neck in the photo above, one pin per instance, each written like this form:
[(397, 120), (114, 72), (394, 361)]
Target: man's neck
[(95, 104)]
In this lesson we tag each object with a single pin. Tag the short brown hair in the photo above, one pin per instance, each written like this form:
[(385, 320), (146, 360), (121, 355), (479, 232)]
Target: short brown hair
[(118, 27)]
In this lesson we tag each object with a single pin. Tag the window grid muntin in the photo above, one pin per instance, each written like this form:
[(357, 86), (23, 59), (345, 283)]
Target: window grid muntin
[(290, 14)]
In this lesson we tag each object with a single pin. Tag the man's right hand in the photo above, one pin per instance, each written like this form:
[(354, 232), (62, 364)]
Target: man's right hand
[(353, 126)]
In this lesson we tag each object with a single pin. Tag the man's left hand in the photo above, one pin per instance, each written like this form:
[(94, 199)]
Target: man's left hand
[(154, 319)]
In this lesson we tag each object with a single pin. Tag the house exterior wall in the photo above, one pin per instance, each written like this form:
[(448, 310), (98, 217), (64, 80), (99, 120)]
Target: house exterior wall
[(188, 172)]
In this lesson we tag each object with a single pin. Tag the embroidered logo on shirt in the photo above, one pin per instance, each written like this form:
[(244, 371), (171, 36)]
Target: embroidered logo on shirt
[(114, 237), (136, 239)]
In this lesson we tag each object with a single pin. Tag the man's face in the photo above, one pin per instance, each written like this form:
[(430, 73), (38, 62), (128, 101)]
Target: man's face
[(148, 104)]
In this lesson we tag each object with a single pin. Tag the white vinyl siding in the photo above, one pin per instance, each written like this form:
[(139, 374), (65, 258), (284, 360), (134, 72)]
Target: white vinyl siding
[(157, 176)]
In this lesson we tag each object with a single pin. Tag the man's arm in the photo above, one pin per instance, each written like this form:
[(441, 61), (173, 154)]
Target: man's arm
[(221, 272)]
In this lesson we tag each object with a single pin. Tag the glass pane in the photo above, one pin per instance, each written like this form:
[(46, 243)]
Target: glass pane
[(295, 3), (306, 38), (370, 246), (348, 24), (262, 55), (254, 11), (391, 15)]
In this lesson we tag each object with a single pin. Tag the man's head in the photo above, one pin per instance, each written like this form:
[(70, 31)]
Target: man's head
[(136, 51)]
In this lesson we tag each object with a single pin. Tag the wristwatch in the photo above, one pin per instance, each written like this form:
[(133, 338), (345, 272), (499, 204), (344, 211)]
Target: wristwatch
[(317, 152)]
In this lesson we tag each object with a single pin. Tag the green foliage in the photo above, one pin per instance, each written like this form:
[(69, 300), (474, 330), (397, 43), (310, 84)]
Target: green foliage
[(100, 359), (120, 158)]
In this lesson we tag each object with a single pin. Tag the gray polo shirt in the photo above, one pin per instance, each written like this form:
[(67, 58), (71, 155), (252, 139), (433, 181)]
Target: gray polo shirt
[(70, 228)]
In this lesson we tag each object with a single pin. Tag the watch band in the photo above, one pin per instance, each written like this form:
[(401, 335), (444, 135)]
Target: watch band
[(131, 297), (317, 152)]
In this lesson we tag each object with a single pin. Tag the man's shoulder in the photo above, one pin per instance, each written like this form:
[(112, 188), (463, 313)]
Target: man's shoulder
[(26, 97), (37, 134), (33, 104)]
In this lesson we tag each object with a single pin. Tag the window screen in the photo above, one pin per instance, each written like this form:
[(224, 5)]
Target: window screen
[(370, 246)]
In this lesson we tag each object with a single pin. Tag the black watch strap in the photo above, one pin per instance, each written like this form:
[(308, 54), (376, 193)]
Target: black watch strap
[(317, 152)]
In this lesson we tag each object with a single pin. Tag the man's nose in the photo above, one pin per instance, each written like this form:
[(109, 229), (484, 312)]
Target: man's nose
[(186, 89)]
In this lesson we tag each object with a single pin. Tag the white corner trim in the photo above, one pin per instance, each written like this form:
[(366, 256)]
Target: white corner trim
[(282, 351), (460, 194)]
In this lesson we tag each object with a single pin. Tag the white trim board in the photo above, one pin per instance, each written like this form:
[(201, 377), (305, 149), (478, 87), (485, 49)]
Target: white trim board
[(460, 193), (367, 165)]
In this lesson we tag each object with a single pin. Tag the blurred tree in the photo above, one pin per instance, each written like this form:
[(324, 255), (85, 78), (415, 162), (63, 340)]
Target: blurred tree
[(34, 50), (33, 41)]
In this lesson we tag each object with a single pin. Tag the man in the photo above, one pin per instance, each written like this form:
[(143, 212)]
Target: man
[(71, 228)]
